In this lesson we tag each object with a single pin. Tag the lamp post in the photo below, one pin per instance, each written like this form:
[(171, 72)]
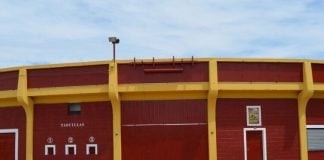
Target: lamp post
[(114, 41)]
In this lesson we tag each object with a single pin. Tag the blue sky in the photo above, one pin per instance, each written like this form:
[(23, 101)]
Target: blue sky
[(57, 31)]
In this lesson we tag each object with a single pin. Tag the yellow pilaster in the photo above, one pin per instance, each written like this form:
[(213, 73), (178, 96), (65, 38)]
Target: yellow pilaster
[(303, 98), (212, 97), (115, 102), (28, 105)]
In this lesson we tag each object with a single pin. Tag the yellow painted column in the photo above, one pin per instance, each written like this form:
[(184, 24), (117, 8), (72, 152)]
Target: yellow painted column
[(303, 99), (212, 97), (116, 106), (28, 105)]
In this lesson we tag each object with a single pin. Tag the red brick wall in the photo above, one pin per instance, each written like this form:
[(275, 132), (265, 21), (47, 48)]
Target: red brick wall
[(151, 140), (8, 80), (315, 112), (259, 72), (279, 117), (97, 119), (68, 76), (198, 72), (14, 118)]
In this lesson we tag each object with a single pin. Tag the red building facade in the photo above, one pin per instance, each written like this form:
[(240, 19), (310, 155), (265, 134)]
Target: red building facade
[(185, 109)]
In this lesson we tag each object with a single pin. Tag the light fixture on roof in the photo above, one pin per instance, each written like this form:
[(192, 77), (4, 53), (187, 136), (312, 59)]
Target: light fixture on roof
[(114, 41)]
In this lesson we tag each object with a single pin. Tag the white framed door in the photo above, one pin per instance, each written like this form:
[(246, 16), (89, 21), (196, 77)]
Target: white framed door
[(255, 144), (6, 134)]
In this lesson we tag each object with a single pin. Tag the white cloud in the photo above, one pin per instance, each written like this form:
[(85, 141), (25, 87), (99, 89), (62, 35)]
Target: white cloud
[(55, 31)]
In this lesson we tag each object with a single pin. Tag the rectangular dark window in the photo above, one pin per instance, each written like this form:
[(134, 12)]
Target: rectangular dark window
[(92, 150), (74, 109), (70, 149), (50, 151)]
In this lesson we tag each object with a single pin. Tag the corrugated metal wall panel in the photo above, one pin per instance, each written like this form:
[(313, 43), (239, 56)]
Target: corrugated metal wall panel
[(68, 76), (316, 155), (198, 72), (259, 72), (8, 80), (7, 146), (315, 112), (97, 119), (160, 130), (141, 112), (318, 72), (279, 117), (11, 118)]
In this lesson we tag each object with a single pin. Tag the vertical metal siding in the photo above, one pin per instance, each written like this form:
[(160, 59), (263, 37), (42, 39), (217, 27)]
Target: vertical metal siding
[(68, 76), (8, 80), (318, 72), (7, 146), (173, 130), (198, 72), (15, 118), (97, 117), (279, 117), (315, 112), (259, 72)]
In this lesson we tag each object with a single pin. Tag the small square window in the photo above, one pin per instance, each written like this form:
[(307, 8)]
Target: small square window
[(92, 149), (74, 109), (50, 150), (70, 149)]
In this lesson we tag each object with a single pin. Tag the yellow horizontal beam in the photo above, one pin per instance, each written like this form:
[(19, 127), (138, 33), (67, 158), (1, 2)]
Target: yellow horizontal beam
[(73, 90), (255, 86), (71, 98), (10, 102), (163, 87), (257, 94), (318, 94), (163, 95), (156, 91), (319, 87), (8, 94)]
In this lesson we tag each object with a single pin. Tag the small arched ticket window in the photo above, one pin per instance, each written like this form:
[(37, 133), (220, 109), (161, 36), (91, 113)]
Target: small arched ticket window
[(92, 149), (70, 149), (50, 150)]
